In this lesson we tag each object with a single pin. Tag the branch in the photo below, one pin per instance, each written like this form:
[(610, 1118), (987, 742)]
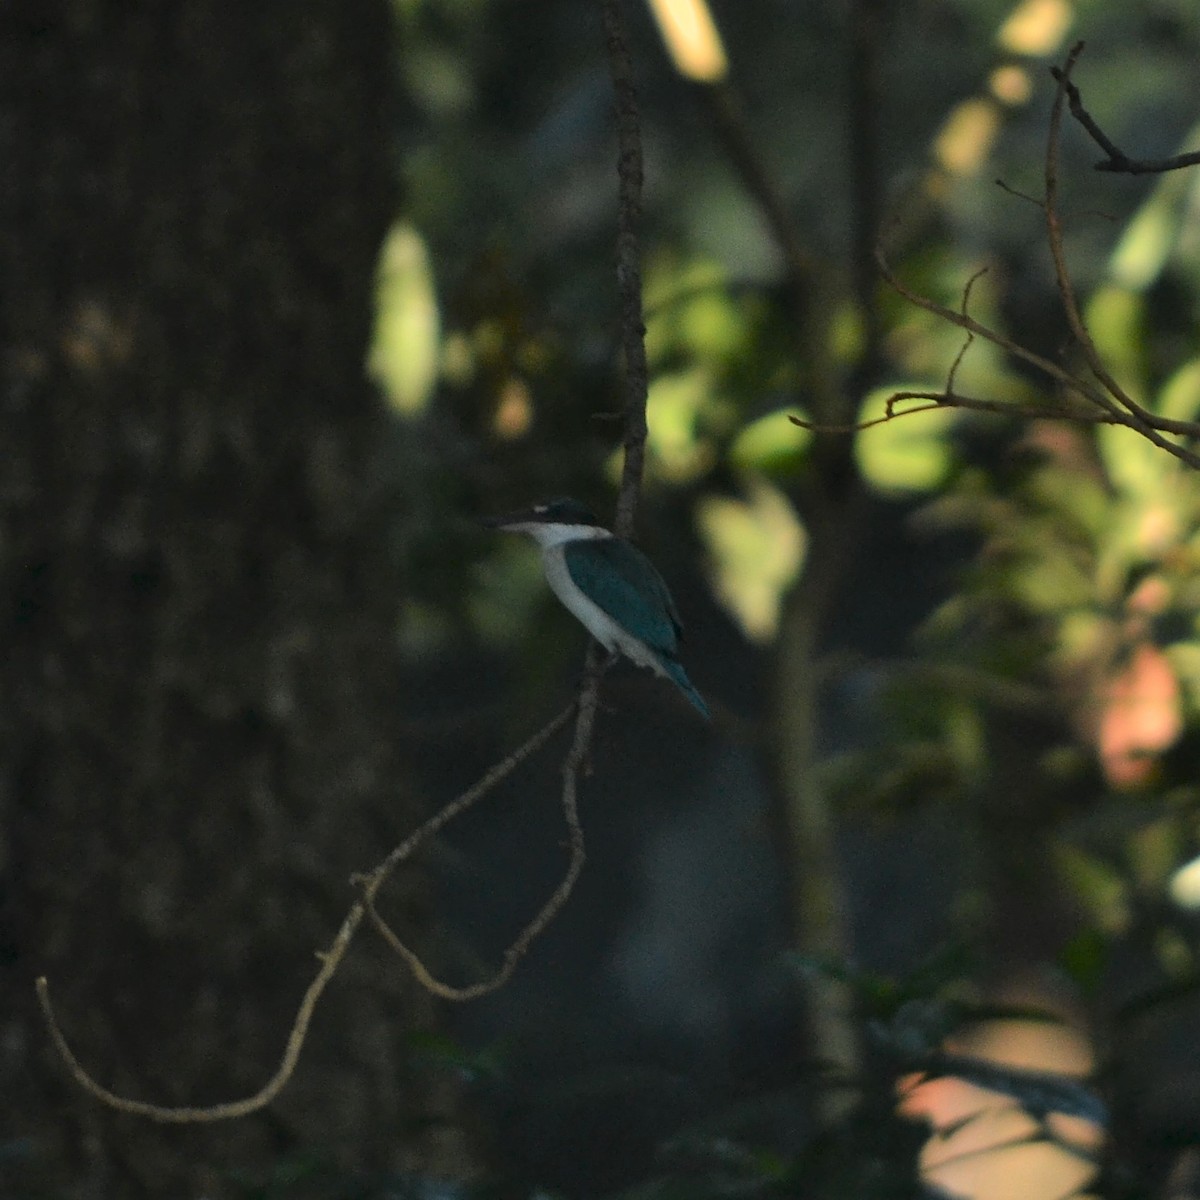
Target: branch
[(518, 949), (964, 321), (329, 959), (1117, 161), (947, 399), (1105, 412), (1110, 403), (629, 266), (1139, 418)]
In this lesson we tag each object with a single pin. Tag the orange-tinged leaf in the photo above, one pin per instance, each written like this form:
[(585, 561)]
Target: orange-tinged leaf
[(1140, 716)]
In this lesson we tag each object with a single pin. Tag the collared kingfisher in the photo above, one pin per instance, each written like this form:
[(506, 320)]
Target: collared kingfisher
[(609, 584)]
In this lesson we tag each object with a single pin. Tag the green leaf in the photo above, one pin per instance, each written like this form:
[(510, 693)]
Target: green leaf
[(1179, 399), (907, 453), (1098, 885), (673, 410), (756, 548), (403, 358), (773, 444), (1114, 317), (1137, 467), (1085, 959), (1154, 851)]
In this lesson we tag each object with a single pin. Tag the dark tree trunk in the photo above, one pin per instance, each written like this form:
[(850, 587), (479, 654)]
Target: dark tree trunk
[(197, 659)]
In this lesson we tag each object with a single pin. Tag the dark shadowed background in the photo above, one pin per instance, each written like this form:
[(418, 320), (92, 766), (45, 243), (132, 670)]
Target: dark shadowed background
[(290, 296)]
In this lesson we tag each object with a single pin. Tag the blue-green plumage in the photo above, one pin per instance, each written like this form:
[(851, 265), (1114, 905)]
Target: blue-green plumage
[(610, 585), (618, 577), (620, 580)]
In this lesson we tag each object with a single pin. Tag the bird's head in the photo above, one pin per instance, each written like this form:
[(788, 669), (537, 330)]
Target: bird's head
[(553, 521)]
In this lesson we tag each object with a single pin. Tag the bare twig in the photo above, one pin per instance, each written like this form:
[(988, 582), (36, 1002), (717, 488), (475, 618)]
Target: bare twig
[(962, 350), (372, 880), (964, 321), (1117, 161), (944, 400), (949, 397), (330, 960), (1138, 418), (629, 284), (1149, 424), (518, 949), (1107, 401)]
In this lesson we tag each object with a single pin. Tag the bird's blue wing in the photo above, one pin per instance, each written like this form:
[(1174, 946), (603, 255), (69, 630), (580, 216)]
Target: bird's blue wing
[(624, 583)]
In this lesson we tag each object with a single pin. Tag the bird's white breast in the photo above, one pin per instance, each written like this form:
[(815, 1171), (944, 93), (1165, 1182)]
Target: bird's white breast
[(598, 623)]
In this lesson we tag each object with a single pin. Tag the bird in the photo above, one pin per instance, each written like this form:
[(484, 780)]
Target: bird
[(609, 584)]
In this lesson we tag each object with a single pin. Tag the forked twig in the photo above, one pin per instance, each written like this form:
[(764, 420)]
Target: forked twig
[(575, 842), (1106, 401), (1117, 160), (1135, 416), (330, 960)]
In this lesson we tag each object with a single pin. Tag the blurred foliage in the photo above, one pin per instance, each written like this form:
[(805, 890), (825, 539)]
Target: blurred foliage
[(756, 547), (1065, 652), (404, 350), (1050, 699)]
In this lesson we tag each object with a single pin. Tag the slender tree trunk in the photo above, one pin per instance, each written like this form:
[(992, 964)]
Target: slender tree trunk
[(197, 668)]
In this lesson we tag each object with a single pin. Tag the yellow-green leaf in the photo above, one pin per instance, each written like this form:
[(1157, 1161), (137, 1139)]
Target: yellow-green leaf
[(403, 358), (909, 453)]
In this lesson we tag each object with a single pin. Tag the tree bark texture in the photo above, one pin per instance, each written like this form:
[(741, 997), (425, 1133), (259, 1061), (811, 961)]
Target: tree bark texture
[(197, 664)]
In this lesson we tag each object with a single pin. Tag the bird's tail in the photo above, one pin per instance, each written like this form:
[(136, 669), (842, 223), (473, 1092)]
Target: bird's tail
[(673, 669)]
